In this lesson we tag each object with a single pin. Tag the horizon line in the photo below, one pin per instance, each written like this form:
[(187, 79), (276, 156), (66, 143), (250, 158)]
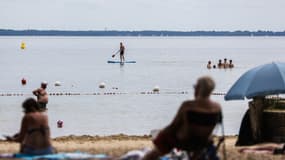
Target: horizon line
[(163, 30)]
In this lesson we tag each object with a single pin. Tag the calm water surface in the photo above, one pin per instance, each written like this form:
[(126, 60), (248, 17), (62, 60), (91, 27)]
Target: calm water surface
[(79, 63)]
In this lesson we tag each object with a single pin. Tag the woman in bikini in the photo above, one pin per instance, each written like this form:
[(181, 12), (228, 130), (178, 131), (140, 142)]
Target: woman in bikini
[(193, 124), (42, 95), (34, 135)]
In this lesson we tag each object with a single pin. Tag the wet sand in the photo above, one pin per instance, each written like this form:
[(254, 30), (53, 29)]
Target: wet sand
[(117, 145)]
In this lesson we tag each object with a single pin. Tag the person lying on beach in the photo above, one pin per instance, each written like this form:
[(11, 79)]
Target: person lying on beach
[(34, 135), (192, 126), (42, 95)]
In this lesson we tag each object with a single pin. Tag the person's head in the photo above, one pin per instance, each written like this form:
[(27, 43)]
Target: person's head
[(121, 43), (225, 60), (30, 105), (220, 61), (209, 62), (231, 61), (44, 85), (204, 86)]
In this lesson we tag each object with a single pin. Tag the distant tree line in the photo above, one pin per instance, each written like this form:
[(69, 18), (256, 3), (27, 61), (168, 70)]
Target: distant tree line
[(8, 32)]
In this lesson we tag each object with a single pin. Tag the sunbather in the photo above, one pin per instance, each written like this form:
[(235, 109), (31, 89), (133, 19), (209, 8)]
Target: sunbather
[(34, 135), (192, 126)]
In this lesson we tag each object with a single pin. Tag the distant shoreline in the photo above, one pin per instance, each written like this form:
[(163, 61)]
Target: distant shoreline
[(146, 33)]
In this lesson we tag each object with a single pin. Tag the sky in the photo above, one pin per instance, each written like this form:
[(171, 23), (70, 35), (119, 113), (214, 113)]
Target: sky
[(174, 15)]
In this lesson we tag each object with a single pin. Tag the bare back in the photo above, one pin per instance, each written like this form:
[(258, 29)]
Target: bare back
[(35, 131), (188, 127)]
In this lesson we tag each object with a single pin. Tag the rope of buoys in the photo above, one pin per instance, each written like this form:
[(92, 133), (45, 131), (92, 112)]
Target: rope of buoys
[(105, 93), (222, 94)]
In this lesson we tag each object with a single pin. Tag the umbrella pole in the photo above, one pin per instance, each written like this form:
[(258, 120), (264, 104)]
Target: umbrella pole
[(224, 145)]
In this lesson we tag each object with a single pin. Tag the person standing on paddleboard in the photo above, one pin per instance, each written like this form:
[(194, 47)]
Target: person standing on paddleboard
[(122, 52)]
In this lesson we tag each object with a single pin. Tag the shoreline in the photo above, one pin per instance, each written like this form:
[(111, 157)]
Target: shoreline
[(118, 145)]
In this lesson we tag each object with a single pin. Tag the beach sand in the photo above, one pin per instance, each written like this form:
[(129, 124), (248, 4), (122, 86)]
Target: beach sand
[(117, 145)]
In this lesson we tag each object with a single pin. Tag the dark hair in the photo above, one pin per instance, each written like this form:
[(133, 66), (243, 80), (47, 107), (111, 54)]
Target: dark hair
[(44, 85), (30, 105)]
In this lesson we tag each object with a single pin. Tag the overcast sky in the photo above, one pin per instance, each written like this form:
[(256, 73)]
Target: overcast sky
[(185, 15)]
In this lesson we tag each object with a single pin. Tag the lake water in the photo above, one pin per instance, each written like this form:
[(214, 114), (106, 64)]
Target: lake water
[(80, 64)]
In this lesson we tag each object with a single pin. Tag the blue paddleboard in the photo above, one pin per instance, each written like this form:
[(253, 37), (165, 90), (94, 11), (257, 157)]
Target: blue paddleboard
[(122, 62)]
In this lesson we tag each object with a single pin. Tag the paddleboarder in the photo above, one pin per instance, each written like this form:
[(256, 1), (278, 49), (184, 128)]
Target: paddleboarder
[(122, 52)]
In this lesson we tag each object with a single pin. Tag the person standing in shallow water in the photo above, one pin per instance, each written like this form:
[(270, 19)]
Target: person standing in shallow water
[(231, 65), (209, 65), (42, 96), (122, 52), (220, 64)]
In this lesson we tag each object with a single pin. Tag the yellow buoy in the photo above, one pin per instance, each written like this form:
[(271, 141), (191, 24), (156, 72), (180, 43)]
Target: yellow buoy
[(23, 45)]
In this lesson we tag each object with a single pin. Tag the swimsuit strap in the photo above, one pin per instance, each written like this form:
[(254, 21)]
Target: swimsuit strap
[(41, 129), (206, 119)]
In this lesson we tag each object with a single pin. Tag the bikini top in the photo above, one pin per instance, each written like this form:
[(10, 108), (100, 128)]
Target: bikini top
[(204, 119), (41, 129)]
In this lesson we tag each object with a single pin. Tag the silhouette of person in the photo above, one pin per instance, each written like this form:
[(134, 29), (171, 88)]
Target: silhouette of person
[(122, 52)]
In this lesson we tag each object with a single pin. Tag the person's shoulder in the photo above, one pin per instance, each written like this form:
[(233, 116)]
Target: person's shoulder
[(188, 102), (217, 106), (28, 116)]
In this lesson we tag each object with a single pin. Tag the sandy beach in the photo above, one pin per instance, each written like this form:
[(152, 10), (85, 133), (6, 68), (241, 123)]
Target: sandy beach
[(117, 145)]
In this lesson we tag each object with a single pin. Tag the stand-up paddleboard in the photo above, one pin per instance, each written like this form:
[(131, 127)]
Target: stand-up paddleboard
[(122, 62)]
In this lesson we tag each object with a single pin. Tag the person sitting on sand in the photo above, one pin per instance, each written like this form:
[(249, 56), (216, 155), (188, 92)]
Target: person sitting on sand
[(42, 95), (192, 126), (209, 66), (34, 135)]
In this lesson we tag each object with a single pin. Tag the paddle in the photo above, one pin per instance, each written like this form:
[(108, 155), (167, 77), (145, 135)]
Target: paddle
[(115, 54)]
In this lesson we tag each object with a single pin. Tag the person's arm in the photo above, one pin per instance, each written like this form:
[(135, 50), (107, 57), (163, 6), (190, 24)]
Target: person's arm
[(36, 92), (178, 119), (23, 130)]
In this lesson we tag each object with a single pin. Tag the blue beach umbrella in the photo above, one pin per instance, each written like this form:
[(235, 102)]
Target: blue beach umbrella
[(267, 79)]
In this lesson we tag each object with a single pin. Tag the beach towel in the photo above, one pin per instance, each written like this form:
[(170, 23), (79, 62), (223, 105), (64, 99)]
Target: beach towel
[(58, 156), (210, 153), (264, 149)]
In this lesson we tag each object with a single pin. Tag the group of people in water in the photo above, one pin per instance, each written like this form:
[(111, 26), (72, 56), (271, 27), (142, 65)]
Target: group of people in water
[(190, 129), (225, 64)]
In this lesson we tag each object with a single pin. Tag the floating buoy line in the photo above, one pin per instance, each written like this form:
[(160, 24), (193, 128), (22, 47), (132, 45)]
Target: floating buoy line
[(105, 93)]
